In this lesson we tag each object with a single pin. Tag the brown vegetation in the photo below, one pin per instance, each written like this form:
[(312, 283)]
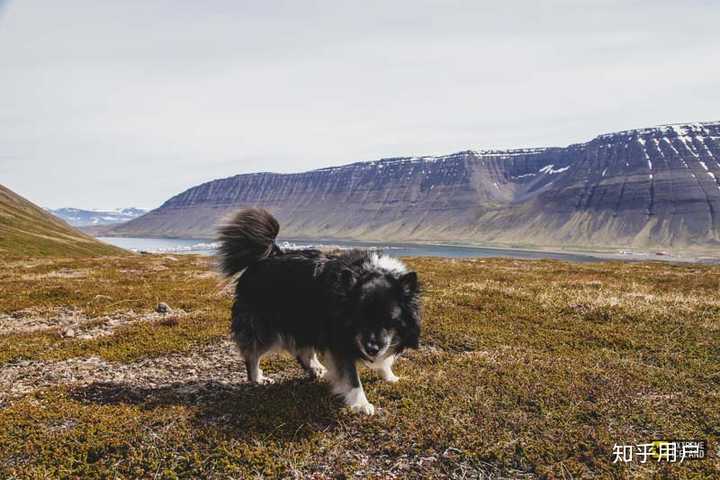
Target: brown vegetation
[(527, 369)]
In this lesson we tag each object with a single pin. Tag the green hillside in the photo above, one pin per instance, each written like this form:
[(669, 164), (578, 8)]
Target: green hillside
[(26, 230)]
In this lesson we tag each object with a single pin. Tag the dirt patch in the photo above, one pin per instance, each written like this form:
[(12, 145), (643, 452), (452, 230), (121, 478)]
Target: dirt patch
[(74, 323), (61, 273), (34, 319), (208, 274), (215, 363), (30, 263)]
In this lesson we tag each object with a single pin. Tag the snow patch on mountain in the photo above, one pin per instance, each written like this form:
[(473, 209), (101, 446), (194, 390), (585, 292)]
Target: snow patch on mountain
[(551, 170), (79, 217)]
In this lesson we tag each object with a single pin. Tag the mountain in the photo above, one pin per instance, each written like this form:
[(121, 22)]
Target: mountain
[(644, 188), (83, 218), (28, 230)]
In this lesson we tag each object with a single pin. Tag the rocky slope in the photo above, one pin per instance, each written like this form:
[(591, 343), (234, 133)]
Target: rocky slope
[(645, 188), (28, 230)]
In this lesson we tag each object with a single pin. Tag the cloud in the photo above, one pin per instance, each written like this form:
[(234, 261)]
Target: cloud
[(110, 104)]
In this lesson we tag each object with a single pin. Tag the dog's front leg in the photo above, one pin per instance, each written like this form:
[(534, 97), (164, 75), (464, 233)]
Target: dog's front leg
[(384, 366), (346, 383), (309, 362)]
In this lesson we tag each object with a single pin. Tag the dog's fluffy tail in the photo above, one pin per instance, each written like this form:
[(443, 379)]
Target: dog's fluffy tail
[(247, 237)]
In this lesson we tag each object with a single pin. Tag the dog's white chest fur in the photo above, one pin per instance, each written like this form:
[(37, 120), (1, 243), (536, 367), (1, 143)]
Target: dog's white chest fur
[(389, 264)]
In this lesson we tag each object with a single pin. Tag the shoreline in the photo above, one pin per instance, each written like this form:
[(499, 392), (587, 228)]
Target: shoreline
[(609, 254), (599, 254)]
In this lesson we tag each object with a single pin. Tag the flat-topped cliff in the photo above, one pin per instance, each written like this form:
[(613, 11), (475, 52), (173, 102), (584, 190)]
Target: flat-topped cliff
[(638, 188)]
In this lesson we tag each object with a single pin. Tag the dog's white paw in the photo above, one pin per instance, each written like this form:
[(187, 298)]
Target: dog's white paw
[(366, 408), (357, 402), (262, 380), (391, 377), (317, 372)]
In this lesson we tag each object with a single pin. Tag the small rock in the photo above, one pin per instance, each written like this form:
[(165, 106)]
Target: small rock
[(163, 308), (70, 333)]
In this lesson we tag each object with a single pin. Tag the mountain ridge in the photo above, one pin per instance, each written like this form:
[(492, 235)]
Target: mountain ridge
[(79, 217), (640, 188)]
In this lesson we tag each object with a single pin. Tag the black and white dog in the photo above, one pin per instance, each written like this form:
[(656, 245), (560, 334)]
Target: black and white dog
[(346, 307)]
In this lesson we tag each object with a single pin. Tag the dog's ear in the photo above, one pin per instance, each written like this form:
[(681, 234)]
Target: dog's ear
[(409, 282), (411, 331)]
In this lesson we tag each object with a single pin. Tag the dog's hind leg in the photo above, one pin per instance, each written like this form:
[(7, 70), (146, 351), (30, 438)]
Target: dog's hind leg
[(252, 364), (251, 340), (308, 360), (343, 376), (384, 367)]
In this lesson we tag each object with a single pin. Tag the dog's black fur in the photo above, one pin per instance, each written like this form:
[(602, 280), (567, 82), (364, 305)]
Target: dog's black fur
[(348, 307)]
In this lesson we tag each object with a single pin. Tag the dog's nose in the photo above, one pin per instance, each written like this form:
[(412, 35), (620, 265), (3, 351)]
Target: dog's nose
[(372, 349)]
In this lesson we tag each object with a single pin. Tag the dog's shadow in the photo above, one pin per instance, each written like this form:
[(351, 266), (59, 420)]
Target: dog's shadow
[(290, 410)]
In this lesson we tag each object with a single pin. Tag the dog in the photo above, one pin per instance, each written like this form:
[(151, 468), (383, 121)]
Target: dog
[(345, 307)]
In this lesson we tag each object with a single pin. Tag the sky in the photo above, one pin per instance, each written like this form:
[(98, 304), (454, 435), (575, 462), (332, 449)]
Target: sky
[(107, 104)]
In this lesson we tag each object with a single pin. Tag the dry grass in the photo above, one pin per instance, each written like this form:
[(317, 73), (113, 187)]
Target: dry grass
[(527, 369)]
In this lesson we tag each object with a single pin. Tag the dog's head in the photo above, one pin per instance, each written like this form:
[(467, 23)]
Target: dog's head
[(385, 313)]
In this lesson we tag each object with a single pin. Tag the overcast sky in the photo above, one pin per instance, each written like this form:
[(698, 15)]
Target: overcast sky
[(125, 103)]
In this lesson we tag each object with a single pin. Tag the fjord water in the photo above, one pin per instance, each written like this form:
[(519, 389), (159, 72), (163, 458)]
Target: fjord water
[(185, 245)]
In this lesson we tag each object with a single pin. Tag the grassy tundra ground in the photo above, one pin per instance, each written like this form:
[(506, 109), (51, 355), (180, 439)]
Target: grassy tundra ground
[(527, 369)]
